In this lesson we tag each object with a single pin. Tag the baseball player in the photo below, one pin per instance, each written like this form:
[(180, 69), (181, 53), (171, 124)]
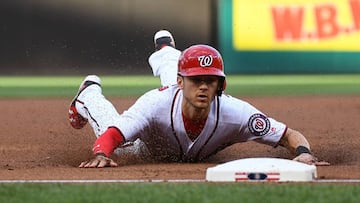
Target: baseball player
[(165, 58), (187, 122)]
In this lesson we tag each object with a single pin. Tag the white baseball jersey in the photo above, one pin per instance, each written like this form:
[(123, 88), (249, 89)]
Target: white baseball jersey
[(164, 63), (156, 118)]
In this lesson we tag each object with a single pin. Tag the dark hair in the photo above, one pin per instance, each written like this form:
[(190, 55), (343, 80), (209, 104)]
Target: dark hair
[(160, 42)]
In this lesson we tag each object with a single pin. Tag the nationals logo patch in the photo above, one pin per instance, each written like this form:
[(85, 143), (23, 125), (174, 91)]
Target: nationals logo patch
[(259, 124)]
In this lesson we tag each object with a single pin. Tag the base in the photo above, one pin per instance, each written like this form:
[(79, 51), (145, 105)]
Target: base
[(261, 169)]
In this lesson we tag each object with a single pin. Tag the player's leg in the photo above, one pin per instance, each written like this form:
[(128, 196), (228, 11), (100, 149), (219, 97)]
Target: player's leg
[(91, 105), (76, 120), (101, 114)]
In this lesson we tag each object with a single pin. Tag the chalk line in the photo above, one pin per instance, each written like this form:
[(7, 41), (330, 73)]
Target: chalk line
[(165, 181)]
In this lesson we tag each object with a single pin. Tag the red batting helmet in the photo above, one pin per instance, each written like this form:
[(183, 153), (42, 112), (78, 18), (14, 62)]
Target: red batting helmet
[(202, 60)]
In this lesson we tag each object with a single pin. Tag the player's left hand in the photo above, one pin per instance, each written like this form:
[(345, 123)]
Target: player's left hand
[(99, 161), (310, 159)]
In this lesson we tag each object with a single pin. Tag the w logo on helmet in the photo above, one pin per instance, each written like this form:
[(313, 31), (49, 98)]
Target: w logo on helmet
[(205, 61)]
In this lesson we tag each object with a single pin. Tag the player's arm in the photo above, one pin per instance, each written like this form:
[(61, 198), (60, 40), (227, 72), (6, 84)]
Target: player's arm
[(103, 148), (298, 145)]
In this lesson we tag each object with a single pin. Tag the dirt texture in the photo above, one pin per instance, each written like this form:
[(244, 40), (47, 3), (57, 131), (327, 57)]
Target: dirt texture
[(37, 142)]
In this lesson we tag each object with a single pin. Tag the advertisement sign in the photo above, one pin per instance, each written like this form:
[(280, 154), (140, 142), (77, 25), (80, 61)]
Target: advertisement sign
[(305, 36)]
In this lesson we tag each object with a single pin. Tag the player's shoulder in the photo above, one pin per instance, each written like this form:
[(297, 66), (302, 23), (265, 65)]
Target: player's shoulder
[(232, 103), (169, 49), (165, 51), (235, 110), (162, 93), (229, 99), (167, 90)]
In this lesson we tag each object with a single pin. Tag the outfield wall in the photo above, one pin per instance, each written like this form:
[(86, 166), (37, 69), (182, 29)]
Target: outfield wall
[(290, 36)]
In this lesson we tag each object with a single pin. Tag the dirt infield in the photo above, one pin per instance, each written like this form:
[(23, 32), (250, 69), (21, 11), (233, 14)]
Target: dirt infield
[(37, 141)]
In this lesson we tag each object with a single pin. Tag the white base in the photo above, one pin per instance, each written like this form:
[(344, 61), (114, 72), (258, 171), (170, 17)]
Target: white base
[(261, 169)]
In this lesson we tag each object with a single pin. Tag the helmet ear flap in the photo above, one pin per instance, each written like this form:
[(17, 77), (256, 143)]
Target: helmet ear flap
[(222, 86)]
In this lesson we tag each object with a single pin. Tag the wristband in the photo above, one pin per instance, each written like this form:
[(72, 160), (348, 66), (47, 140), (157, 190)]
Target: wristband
[(108, 141), (301, 149)]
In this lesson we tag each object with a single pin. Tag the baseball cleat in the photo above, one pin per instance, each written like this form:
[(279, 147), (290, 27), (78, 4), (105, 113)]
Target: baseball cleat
[(76, 120)]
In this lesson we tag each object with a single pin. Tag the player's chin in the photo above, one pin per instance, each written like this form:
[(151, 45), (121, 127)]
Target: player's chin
[(202, 104)]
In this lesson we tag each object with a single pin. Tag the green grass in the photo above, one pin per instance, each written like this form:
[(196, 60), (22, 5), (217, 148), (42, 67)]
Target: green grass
[(67, 86), (134, 86), (182, 192)]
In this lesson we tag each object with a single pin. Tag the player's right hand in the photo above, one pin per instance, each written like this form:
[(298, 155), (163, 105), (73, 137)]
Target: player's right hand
[(99, 161)]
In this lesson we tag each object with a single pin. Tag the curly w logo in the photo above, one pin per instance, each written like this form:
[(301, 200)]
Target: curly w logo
[(205, 61)]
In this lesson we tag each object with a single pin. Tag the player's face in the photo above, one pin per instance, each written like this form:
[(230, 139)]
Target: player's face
[(199, 91)]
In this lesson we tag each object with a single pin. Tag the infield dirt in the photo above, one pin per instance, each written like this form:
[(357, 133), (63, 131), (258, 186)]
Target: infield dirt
[(37, 142)]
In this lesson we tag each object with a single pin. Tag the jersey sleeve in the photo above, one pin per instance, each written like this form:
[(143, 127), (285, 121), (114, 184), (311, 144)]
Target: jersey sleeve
[(154, 61), (253, 124), (138, 118)]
